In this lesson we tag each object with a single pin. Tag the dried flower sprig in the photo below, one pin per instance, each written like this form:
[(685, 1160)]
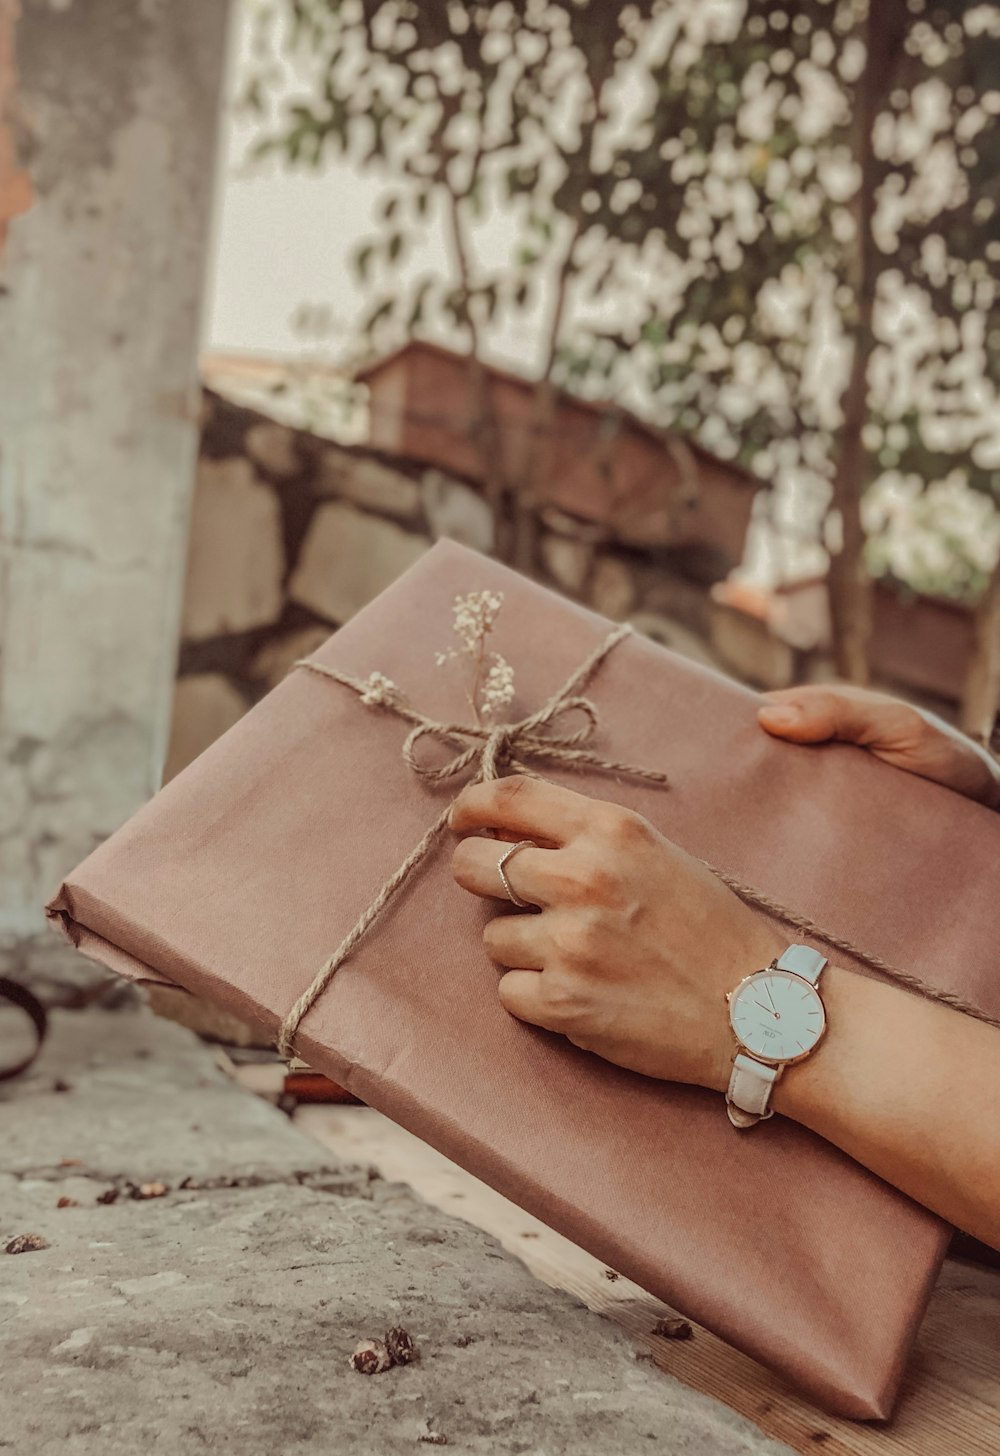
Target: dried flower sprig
[(492, 687), (498, 689), (379, 690)]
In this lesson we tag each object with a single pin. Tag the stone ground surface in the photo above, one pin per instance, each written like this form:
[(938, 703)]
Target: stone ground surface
[(220, 1317)]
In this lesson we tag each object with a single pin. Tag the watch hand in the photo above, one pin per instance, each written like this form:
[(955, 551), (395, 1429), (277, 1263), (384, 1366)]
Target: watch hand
[(775, 1014), (770, 998)]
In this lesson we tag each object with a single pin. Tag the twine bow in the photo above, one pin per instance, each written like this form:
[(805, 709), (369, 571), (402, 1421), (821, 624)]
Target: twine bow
[(489, 753), (509, 748)]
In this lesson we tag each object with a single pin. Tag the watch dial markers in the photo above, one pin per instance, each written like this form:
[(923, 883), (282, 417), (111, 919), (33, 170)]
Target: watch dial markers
[(777, 1015)]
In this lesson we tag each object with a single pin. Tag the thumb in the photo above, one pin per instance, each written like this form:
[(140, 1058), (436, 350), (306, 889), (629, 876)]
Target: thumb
[(818, 714)]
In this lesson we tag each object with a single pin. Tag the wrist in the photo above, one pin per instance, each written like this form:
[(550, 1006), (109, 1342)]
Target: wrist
[(765, 946), (807, 1089)]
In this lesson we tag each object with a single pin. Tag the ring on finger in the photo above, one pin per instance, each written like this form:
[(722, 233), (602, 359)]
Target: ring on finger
[(504, 860)]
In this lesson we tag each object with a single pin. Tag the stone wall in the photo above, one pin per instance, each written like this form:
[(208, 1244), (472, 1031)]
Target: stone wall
[(292, 534)]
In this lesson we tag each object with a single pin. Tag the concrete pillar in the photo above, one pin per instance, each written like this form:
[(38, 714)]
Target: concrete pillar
[(100, 285)]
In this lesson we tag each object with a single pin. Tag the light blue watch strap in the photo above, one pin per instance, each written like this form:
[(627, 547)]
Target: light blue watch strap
[(802, 961)]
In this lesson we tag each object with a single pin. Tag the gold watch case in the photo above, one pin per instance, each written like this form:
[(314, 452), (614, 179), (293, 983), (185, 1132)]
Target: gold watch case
[(774, 969)]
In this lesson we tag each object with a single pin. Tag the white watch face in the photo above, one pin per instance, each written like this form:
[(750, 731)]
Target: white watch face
[(777, 1016)]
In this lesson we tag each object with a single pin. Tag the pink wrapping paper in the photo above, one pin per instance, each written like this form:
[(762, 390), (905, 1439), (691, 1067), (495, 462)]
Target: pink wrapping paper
[(242, 875)]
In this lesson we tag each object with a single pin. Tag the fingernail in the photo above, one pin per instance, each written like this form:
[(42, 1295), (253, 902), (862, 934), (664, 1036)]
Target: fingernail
[(781, 715)]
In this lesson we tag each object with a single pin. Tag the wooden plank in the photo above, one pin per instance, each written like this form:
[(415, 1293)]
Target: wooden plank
[(951, 1401)]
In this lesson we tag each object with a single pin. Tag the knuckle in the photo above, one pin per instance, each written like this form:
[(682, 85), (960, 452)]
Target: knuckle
[(889, 720), (577, 938), (509, 790), (626, 829), (510, 996), (562, 882), (824, 702), (594, 883), (494, 937), (837, 712), (562, 1001), (460, 861)]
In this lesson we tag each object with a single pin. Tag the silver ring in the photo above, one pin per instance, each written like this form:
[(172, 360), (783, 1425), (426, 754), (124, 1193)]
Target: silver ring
[(510, 893)]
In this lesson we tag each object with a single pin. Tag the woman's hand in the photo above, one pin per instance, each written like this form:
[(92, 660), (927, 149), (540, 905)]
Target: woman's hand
[(635, 943), (900, 734)]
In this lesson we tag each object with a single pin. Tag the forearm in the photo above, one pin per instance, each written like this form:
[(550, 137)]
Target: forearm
[(911, 1089)]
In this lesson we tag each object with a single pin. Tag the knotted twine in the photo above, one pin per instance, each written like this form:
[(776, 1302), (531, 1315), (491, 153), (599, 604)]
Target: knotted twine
[(487, 753)]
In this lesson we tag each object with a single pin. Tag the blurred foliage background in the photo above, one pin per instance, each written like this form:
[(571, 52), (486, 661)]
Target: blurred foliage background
[(774, 229)]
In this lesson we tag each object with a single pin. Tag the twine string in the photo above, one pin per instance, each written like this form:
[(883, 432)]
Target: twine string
[(752, 896), (490, 753), (480, 754)]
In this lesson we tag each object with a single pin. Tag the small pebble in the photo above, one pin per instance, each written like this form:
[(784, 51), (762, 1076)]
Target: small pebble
[(370, 1358), (672, 1329), (148, 1190), (402, 1350), (612, 1275), (434, 1438), (110, 1195), (65, 1202), (26, 1244)]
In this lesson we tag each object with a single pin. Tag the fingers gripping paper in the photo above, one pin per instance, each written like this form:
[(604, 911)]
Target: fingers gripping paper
[(240, 879)]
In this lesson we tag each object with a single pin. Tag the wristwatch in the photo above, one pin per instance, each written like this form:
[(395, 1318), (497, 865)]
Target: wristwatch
[(777, 1016)]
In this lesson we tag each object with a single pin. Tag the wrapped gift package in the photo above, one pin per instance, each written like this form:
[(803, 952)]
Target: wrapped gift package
[(242, 875)]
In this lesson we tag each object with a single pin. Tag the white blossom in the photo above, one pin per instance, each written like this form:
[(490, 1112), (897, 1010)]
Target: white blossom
[(498, 689), (492, 678), (474, 618), (379, 690)]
